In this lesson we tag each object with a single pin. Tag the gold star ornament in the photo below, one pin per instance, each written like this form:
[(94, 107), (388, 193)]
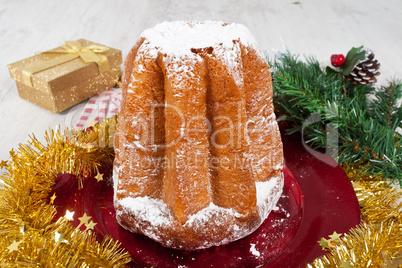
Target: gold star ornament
[(323, 243), (99, 177), (14, 246), (335, 236), (83, 220), (91, 123), (3, 164), (69, 133), (58, 237), (52, 198), (91, 225), (333, 240), (69, 215)]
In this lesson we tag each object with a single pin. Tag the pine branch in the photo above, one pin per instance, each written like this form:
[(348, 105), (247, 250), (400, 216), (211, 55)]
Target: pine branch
[(366, 128), (385, 106)]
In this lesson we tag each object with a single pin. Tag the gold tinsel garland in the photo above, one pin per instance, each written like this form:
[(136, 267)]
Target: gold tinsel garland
[(377, 241), (29, 237)]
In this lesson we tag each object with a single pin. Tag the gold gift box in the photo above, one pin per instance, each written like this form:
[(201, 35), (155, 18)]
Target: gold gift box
[(60, 78)]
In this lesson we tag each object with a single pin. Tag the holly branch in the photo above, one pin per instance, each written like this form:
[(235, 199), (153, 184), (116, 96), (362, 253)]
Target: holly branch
[(357, 123)]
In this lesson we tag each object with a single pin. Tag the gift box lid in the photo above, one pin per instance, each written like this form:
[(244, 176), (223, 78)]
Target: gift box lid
[(64, 66)]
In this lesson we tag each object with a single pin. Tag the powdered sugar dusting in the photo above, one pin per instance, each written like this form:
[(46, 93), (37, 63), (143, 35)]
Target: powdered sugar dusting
[(157, 213), (115, 179), (205, 214), (147, 209), (254, 251), (265, 199), (179, 37)]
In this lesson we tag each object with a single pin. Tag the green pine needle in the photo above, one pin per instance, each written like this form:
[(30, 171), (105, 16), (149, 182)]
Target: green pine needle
[(364, 118)]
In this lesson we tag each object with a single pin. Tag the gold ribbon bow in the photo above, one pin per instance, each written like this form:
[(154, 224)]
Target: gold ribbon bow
[(71, 50)]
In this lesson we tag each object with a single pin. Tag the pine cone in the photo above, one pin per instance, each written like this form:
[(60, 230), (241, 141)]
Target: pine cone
[(364, 73)]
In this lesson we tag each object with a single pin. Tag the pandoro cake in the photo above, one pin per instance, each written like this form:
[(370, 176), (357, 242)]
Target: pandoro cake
[(198, 150)]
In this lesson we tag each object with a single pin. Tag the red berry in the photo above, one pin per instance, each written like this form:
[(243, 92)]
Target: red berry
[(337, 60)]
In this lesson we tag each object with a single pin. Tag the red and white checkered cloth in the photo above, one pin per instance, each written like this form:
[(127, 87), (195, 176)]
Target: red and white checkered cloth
[(100, 107)]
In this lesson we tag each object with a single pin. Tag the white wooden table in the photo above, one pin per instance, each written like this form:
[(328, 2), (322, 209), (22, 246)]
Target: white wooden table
[(306, 27)]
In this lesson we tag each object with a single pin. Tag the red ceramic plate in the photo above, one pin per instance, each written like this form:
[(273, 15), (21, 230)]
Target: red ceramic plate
[(317, 200)]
